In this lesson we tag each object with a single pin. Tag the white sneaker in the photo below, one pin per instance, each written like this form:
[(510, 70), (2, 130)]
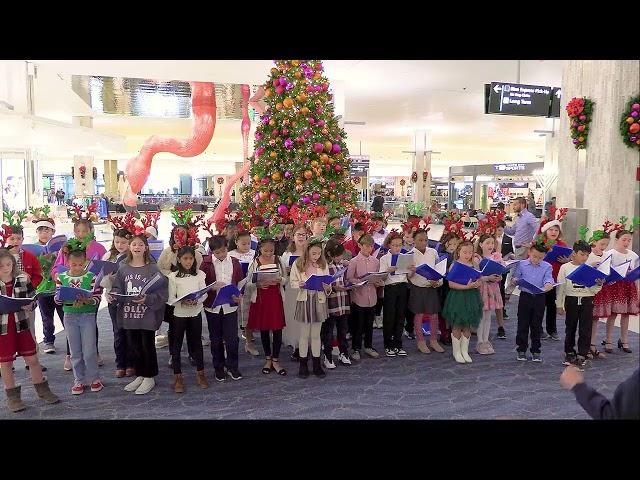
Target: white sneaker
[(133, 386), (344, 360), (146, 386), (378, 322), (371, 352), (162, 341), (329, 364), (48, 348)]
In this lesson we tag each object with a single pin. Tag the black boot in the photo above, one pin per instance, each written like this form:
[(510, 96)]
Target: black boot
[(317, 368), (295, 356), (303, 371)]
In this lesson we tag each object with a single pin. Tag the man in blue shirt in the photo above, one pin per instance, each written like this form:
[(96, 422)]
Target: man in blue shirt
[(524, 229), (531, 305)]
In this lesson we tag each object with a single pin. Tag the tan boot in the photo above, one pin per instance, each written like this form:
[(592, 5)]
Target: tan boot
[(14, 402), (436, 346), (178, 383), (43, 391), (422, 346), (201, 380)]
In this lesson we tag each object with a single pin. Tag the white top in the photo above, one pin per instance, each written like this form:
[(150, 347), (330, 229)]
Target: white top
[(568, 289), (430, 257), (224, 272), (594, 260), (180, 286), (385, 263), (243, 257), (105, 282), (619, 258)]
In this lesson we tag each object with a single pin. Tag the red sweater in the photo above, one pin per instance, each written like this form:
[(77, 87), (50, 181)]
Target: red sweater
[(31, 267), (210, 276)]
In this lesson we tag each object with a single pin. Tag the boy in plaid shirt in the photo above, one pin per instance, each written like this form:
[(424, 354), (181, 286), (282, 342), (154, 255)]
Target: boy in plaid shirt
[(339, 306)]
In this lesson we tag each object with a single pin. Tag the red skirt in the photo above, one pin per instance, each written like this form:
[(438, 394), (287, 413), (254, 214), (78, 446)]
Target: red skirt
[(619, 298), (267, 313), (13, 343)]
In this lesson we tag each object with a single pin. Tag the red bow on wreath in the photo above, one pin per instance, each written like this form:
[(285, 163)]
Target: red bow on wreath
[(414, 177)]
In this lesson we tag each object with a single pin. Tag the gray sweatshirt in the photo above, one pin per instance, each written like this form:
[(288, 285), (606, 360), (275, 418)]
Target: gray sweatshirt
[(146, 316)]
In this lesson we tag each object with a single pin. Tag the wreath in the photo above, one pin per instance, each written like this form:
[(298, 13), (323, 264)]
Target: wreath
[(630, 123), (580, 111), (414, 177)]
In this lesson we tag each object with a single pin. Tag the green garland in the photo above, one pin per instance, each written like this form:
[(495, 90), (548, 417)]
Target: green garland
[(630, 123)]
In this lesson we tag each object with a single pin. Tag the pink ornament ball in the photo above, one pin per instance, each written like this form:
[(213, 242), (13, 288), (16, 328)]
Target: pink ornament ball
[(283, 210), (306, 199), (285, 132), (575, 141), (338, 167), (583, 118), (265, 180), (283, 81), (273, 197), (287, 174), (635, 106), (317, 147), (634, 114), (633, 139), (311, 120), (336, 148), (321, 123), (316, 196), (276, 83), (279, 89)]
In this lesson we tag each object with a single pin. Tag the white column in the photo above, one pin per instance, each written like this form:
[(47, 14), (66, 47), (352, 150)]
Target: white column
[(422, 163), (601, 178), (86, 185)]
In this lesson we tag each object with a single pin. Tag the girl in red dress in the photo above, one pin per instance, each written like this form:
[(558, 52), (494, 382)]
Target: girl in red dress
[(267, 310), (15, 336)]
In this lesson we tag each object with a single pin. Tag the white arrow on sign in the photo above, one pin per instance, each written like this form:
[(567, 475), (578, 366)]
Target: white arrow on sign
[(497, 88), (558, 93)]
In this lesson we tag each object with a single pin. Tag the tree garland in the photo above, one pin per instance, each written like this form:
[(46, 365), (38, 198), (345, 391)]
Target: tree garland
[(630, 123), (580, 111)]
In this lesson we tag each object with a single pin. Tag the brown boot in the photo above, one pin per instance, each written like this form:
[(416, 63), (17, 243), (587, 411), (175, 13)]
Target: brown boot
[(178, 383), (43, 391), (14, 402), (201, 380)]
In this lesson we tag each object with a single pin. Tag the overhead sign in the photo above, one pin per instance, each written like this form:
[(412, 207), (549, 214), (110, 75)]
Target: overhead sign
[(518, 99), (510, 167), (359, 165), (556, 97)]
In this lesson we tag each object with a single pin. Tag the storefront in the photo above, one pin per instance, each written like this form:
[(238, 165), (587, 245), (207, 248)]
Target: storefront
[(483, 186)]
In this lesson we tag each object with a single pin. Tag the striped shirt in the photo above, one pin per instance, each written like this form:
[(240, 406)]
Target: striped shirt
[(338, 302)]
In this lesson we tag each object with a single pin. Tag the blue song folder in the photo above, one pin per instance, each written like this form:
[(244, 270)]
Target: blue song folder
[(292, 259), (633, 275), (12, 305), (35, 249), (433, 273), (586, 275), (534, 289), (462, 274), (56, 243), (557, 251), (314, 282), (71, 294), (491, 267), (618, 272), (245, 267), (225, 295)]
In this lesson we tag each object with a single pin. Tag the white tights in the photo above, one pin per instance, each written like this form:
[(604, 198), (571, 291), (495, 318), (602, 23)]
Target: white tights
[(310, 330), (485, 327)]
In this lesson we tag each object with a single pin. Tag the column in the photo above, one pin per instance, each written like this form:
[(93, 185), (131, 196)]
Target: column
[(602, 178), (83, 186), (422, 163), (111, 178)]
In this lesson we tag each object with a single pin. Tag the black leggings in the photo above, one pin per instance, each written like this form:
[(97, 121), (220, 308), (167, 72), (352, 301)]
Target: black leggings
[(193, 327), (266, 343)]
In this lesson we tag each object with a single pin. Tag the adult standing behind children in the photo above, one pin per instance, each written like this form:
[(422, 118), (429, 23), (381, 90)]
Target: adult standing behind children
[(523, 230)]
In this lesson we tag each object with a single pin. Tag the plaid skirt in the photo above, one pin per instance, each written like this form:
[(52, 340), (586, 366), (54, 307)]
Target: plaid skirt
[(311, 311)]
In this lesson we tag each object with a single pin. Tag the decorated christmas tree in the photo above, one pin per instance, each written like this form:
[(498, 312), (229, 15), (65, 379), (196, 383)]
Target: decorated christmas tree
[(300, 154)]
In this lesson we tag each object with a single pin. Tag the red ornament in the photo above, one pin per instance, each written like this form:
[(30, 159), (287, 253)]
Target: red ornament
[(83, 171), (403, 182)]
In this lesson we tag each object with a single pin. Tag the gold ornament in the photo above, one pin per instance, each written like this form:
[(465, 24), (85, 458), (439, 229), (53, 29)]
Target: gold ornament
[(308, 174), (276, 177), (299, 188), (272, 123), (298, 181), (279, 106), (324, 158), (268, 92), (314, 163), (263, 195), (275, 71), (295, 63), (327, 146), (297, 74), (332, 197), (325, 132), (273, 154), (302, 97), (304, 111), (288, 102)]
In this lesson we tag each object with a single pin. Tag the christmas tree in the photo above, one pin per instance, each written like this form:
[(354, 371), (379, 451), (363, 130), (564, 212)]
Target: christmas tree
[(300, 158)]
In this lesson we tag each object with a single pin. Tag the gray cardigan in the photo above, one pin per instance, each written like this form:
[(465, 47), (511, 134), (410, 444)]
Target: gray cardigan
[(146, 316)]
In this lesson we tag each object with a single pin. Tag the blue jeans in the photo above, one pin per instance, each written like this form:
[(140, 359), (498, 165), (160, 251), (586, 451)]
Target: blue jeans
[(81, 333)]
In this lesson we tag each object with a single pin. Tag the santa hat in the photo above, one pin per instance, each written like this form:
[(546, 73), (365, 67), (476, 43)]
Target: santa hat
[(152, 231), (560, 214)]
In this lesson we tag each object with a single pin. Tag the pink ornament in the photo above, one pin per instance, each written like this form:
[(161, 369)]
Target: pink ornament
[(265, 120), (315, 196), (325, 87), (318, 67), (289, 87), (287, 174), (306, 134), (273, 197), (321, 123), (635, 106), (265, 180), (276, 82), (338, 167), (336, 148), (283, 81), (338, 137), (283, 210), (581, 128), (332, 184), (311, 120), (256, 198), (575, 141), (583, 118), (288, 143), (274, 132), (317, 147), (306, 199), (633, 139), (279, 89), (574, 125), (634, 114), (310, 89), (259, 136), (285, 132)]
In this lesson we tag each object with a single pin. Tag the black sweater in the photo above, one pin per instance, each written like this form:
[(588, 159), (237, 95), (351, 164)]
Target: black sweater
[(624, 405)]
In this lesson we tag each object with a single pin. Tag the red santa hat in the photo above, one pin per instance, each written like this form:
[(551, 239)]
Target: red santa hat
[(560, 214)]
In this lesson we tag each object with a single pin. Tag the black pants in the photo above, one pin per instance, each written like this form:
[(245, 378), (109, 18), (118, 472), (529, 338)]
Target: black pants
[(530, 313), (142, 347), (502, 292), (266, 343), (379, 305), (48, 307), (579, 316), (193, 327), (123, 358), (362, 325), (223, 331), (550, 299), (326, 333), (408, 320), (168, 317), (395, 303)]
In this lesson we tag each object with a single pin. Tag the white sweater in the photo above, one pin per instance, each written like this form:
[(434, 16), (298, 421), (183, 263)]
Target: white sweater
[(179, 286), (568, 289), (619, 258), (385, 264)]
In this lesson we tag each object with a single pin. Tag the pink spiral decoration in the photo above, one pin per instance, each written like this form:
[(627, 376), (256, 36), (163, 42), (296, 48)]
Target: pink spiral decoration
[(203, 105)]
